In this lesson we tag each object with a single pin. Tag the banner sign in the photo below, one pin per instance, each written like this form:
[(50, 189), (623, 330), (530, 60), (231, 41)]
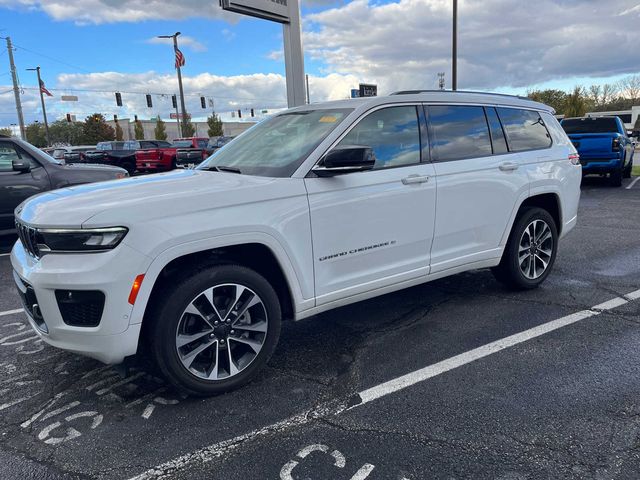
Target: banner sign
[(274, 10), (69, 98)]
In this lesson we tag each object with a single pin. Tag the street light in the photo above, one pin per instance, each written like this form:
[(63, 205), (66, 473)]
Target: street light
[(44, 110), (176, 50)]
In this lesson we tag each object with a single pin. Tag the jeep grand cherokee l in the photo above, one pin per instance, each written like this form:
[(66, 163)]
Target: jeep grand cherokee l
[(317, 207)]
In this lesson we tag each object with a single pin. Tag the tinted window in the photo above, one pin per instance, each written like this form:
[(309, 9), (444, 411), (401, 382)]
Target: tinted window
[(459, 132), (495, 128), (392, 133), (182, 144), (590, 125), (525, 129), (202, 143)]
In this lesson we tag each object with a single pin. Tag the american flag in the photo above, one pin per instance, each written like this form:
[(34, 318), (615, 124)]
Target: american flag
[(179, 57), (44, 90)]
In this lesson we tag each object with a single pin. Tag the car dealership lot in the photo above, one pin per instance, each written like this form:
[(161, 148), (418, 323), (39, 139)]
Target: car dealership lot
[(561, 405)]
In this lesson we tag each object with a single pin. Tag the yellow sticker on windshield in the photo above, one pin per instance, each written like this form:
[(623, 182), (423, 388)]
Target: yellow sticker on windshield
[(328, 119)]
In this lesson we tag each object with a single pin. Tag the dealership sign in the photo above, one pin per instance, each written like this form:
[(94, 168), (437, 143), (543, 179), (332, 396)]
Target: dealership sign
[(274, 10)]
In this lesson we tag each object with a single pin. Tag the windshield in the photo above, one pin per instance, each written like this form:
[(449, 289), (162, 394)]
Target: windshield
[(277, 146), (590, 125), (39, 154)]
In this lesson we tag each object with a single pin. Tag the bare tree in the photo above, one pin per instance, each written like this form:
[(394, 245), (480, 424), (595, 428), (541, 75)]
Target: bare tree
[(595, 93), (609, 92), (630, 87)]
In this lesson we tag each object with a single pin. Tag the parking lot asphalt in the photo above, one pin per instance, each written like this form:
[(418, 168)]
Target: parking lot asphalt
[(563, 404)]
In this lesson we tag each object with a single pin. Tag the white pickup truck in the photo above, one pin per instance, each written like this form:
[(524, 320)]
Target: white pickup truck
[(317, 207)]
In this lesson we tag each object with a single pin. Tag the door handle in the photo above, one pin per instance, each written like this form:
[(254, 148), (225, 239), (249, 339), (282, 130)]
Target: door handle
[(411, 179), (508, 166)]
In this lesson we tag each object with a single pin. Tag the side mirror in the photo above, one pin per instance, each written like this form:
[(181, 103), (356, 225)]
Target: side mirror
[(346, 159), (21, 166)]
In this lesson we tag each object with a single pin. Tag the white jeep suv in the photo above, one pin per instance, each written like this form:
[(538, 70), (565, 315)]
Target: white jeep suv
[(317, 207)]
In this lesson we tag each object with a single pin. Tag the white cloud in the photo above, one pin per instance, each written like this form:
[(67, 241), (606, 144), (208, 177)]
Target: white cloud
[(183, 41)]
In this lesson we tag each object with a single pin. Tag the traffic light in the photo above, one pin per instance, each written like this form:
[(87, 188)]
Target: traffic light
[(239, 113), (69, 117), (149, 102), (252, 114), (118, 99), (135, 118), (203, 102), (174, 101), (115, 118)]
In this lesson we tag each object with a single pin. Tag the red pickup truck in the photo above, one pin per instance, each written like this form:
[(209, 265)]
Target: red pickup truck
[(164, 158)]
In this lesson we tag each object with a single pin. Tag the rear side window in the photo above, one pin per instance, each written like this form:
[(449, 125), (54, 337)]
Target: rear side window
[(458, 132), (498, 141), (525, 129)]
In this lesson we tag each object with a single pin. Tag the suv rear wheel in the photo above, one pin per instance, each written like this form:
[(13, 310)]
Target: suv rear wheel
[(214, 330), (530, 251), (615, 177), (627, 171)]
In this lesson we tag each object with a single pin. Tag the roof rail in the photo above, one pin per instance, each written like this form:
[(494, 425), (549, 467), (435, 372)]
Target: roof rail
[(414, 92)]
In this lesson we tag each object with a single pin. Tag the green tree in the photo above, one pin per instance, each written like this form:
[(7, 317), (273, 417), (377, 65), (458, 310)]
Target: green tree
[(6, 131), (160, 130), (138, 130), (215, 125), (556, 99), (188, 130), (68, 133), (36, 135), (576, 104), (96, 129), (119, 132)]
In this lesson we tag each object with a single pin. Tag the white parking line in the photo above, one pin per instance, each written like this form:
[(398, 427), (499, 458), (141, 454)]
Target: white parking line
[(630, 186), (217, 450), (11, 312)]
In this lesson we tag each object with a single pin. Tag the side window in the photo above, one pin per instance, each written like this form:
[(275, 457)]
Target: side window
[(525, 129), (392, 133), (497, 134), (8, 154), (458, 132)]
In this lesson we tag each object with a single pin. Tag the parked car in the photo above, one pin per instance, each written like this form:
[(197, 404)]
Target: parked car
[(165, 158), (603, 145), (26, 171), (121, 154), (73, 154), (317, 207), (191, 157)]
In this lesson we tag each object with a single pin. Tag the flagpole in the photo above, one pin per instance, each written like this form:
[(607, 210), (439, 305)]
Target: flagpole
[(44, 110), (182, 106)]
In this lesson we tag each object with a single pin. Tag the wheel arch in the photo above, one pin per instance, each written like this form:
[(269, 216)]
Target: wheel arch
[(261, 254), (547, 200)]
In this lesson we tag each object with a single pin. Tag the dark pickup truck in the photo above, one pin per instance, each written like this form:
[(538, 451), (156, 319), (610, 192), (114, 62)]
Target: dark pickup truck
[(121, 154), (603, 145)]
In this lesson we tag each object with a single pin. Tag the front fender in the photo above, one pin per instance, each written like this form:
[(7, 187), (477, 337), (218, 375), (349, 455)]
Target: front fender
[(177, 251)]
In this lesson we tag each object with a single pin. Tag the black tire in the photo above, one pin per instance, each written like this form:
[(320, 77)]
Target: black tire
[(626, 173), (129, 167), (615, 177), (165, 315), (508, 271)]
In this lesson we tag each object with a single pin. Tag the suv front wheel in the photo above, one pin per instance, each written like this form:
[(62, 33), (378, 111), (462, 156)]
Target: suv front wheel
[(530, 251), (213, 331)]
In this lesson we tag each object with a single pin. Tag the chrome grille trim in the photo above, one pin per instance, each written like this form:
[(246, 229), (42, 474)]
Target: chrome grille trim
[(28, 237)]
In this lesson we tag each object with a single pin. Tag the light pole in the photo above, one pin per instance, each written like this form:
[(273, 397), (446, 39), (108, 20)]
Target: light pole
[(178, 64), (44, 110), (454, 52)]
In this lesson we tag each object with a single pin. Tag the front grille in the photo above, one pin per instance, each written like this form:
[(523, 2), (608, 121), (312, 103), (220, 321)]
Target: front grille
[(29, 238), (80, 308)]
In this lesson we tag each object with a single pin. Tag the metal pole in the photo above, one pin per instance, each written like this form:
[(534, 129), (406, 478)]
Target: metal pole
[(178, 120), (184, 110), (16, 89), (308, 96), (293, 57), (454, 53), (44, 110)]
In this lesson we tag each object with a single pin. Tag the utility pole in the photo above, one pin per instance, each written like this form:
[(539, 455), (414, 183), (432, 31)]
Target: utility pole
[(16, 89), (307, 80), (44, 110), (454, 53), (176, 50)]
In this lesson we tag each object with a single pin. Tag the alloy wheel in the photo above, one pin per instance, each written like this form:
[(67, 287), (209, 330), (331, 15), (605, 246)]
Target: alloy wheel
[(535, 249)]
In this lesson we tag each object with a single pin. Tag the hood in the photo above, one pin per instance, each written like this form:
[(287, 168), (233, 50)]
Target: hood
[(143, 198)]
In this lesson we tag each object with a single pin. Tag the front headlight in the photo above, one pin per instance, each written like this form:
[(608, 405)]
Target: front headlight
[(80, 240)]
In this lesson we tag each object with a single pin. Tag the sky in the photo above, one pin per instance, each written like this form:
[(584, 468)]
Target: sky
[(93, 48)]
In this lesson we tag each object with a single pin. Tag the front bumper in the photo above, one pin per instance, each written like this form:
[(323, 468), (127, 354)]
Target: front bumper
[(111, 272)]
